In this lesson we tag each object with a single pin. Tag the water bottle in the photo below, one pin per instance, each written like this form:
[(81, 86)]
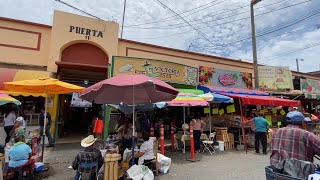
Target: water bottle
[(107, 142), (315, 176)]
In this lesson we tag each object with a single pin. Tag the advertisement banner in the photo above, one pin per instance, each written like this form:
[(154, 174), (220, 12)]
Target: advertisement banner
[(274, 78), (209, 76), (163, 70), (310, 86), (77, 102)]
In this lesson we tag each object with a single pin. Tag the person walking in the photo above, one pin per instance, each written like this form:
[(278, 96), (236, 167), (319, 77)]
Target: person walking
[(260, 133), (48, 122), (293, 142), (198, 126), (9, 118)]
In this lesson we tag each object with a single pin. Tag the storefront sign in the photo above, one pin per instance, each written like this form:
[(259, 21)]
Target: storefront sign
[(310, 86), (209, 76), (274, 78), (163, 70), (86, 31)]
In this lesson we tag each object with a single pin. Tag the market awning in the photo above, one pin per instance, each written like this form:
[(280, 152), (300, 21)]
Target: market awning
[(264, 100), (219, 90), (9, 75), (191, 91), (312, 96)]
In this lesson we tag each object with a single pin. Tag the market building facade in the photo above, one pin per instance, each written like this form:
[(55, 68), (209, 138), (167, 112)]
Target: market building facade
[(83, 51)]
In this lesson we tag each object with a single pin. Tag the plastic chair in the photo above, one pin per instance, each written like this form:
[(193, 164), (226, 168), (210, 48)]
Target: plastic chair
[(208, 144), (88, 165)]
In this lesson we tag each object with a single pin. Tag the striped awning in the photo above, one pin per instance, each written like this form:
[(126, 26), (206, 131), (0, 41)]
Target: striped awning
[(216, 89)]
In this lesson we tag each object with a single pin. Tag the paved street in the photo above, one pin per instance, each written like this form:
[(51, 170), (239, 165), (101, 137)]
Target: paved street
[(223, 166)]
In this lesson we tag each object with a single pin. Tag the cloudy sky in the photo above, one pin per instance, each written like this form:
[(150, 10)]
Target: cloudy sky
[(286, 29)]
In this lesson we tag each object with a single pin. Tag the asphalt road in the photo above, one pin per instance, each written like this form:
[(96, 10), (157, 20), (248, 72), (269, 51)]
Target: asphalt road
[(228, 165)]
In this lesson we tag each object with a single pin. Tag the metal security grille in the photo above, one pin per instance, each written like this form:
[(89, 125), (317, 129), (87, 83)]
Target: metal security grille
[(81, 78)]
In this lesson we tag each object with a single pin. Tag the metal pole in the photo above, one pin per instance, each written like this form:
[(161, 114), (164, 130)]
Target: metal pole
[(254, 49), (44, 127), (123, 15), (297, 61)]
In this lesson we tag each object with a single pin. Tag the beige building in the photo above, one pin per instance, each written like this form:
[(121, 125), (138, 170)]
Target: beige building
[(80, 50)]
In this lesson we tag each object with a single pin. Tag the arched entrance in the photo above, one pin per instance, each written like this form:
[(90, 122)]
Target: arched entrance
[(82, 64)]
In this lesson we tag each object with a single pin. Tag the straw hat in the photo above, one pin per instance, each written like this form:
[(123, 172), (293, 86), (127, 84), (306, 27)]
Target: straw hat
[(88, 141)]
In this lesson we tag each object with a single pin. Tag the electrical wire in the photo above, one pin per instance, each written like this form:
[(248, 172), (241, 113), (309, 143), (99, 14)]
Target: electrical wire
[(169, 27), (80, 10), (174, 17), (184, 32), (291, 52), (198, 31)]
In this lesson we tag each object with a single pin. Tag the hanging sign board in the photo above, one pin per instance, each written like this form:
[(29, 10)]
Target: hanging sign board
[(275, 78), (163, 70), (77, 102), (209, 76)]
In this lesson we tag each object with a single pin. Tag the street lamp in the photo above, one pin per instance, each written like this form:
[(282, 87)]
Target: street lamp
[(254, 46), (297, 61)]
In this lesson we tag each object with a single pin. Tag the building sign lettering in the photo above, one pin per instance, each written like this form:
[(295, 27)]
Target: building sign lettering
[(86, 31), (163, 70)]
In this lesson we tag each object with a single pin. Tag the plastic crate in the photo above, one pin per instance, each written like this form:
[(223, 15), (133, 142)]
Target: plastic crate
[(270, 175)]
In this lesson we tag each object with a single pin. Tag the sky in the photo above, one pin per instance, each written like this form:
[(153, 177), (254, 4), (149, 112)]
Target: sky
[(286, 30)]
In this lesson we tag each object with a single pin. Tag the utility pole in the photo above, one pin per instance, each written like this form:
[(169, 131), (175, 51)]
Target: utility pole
[(123, 15), (254, 46), (297, 61)]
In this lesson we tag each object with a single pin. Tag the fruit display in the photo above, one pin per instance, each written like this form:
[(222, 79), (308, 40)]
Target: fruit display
[(247, 79), (310, 86), (205, 75)]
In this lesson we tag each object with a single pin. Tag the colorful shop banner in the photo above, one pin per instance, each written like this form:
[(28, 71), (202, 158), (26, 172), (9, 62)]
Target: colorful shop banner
[(310, 86), (163, 70), (275, 78), (209, 76)]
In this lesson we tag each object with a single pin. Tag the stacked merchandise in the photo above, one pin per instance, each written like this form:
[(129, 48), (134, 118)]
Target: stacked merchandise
[(222, 135)]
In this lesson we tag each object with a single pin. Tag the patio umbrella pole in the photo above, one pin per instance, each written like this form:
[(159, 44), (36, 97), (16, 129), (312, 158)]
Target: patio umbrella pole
[(133, 129), (210, 116), (44, 126)]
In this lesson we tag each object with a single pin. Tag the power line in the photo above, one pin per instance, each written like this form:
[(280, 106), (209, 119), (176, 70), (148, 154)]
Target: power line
[(274, 29), (228, 22), (291, 52), (173, 17), (80, 10), (184, 32), (199, 32)]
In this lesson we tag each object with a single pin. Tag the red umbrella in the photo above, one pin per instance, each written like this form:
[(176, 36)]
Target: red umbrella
[(130, 90)]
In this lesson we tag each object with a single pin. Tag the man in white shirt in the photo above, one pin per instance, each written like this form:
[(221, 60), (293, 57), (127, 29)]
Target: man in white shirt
[(145, 153)]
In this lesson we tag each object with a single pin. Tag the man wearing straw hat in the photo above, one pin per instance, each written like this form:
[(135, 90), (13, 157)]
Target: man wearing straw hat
[(88, 159)]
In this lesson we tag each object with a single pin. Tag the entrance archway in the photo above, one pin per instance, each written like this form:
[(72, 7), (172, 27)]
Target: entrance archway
[(82, 64)]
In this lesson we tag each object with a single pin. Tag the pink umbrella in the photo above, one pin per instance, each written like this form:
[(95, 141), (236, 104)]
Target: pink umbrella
[(129, 90)]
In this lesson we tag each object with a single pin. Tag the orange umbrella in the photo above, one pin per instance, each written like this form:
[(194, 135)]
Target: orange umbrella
[(42, 85)]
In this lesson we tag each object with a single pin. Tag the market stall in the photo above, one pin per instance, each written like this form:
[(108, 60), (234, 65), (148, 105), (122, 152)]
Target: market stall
[(249, 97)]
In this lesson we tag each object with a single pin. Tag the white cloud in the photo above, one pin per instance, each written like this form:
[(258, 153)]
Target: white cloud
[(142, 11)]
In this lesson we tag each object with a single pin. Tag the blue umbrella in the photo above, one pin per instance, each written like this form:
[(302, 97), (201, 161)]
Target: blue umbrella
[(295, 116), (216, 98)]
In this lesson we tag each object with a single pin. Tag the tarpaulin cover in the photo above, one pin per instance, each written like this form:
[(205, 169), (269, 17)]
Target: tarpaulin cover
[(295, 168), (264, 100)]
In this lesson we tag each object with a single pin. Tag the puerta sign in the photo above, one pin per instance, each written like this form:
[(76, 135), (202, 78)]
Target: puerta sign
[(163, 70), (85, 31), (210, 76)]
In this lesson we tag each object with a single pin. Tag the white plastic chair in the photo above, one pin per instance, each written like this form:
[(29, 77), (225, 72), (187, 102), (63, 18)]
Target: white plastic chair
[(208, 144)]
